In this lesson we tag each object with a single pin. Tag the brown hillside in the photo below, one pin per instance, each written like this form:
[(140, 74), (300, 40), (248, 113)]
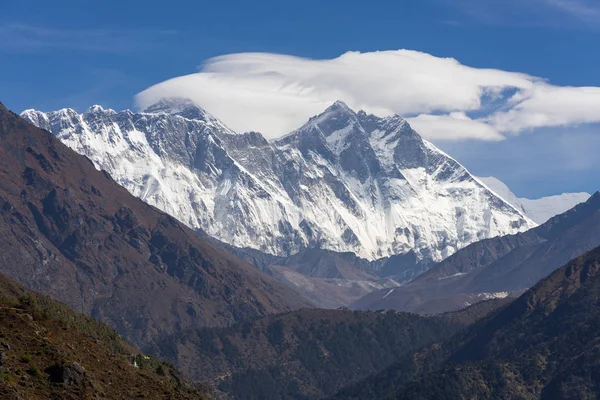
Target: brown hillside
[(48, 351)]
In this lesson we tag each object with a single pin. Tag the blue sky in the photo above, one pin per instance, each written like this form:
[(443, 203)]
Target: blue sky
[(77, 53)]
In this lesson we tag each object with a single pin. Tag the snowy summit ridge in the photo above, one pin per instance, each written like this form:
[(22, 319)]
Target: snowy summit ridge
[(345, 181)]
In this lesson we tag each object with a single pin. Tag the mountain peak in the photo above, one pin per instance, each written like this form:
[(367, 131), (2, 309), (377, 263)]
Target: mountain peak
[(96, 109), (29, 111), (336, 117), (338, 110), (188, 109), (339, 105), (171, 105)]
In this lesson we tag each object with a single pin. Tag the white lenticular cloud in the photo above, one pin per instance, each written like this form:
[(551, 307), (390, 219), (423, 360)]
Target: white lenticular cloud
[(454, 126), (545, 105), (275, 94)]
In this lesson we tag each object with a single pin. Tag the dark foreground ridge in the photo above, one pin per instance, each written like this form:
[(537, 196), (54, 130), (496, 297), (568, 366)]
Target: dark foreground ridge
[(307, 354), (544, 345), (69, 231), (47, 351)]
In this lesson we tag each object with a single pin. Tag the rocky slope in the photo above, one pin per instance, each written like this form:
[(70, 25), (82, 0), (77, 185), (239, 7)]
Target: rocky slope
[(68, 230), (345, 181), (498, 266), (542, 346), (47, 351), (539, 210)]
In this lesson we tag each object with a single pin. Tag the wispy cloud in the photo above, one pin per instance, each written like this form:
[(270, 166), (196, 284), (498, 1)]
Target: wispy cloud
[(545, 105), (454, 126), (580, 14), (27, 38), (585, 10), (440, 96)]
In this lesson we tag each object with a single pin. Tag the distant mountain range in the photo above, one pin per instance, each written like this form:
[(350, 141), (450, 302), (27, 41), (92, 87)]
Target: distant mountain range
[(345, 181), (348, 204), (500, 266), (539, 210)]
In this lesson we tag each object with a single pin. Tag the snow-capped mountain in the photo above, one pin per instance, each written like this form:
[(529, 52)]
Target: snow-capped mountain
[(345, 181), (539, 210)]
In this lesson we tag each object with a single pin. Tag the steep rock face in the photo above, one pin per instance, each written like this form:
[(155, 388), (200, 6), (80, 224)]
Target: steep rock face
[(374, 183), (345, 181), (68, 230)]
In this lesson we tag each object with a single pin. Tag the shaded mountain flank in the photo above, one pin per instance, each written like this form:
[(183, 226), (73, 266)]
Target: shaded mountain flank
[(306, 354), (500, 266), (69, 231), (48, 351), (544, 345)]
